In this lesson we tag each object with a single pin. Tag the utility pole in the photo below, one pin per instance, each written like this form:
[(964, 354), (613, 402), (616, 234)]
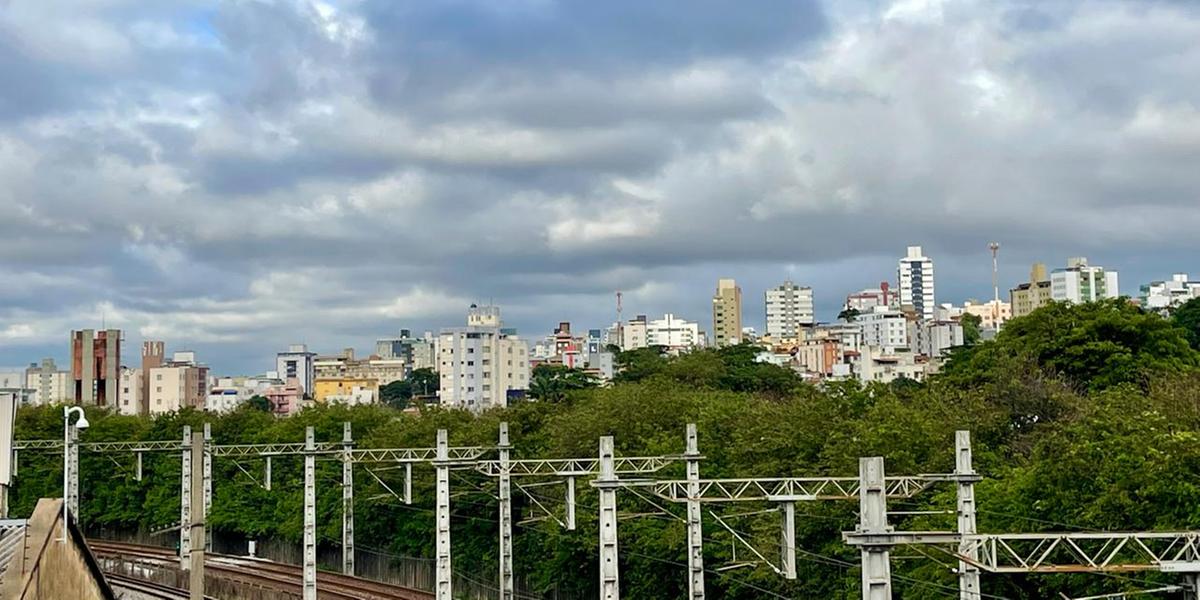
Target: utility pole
[(73, 458), (310, 515), (995, 248), (606, 483), (876, 568), (347, 501), (695, 531), (968, 573), (267, 475), (443, 587), (787, 543), (196, 498), (185, 502), (507, 589), (208, 481)]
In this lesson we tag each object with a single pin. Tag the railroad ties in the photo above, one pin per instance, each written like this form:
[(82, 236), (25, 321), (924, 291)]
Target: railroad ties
[(140, 561)]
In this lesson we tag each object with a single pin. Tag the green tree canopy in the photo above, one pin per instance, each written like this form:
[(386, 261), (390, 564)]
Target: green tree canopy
[(553, 383), (1093, 345), (970, 324), (396, 394), (1187, 316), (424, 382)]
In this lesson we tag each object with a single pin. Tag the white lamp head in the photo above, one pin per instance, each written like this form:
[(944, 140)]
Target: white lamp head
[(82, 423)]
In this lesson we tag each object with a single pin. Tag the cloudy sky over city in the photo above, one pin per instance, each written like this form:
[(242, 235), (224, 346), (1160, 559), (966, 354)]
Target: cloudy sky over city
[(235, 176)]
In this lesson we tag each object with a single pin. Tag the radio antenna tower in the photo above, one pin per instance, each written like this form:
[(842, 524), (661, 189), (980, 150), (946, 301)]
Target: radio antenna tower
[(995, 248), (620, 341)]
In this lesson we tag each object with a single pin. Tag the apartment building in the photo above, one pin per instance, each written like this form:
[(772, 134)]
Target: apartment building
[(481, 365), (1080, 282), (727, 313), (789, 308), (915, 274)]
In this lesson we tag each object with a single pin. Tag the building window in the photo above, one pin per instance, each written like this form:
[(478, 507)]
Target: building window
[(158, 376), (158, 389)]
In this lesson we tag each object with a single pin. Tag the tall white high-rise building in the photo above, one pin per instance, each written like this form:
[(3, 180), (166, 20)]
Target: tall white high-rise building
[(789, 308), (1081, 282), (481, 363), (916, 282)]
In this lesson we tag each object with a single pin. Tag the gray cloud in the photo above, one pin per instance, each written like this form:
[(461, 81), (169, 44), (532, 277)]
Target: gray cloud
[(237, 177)]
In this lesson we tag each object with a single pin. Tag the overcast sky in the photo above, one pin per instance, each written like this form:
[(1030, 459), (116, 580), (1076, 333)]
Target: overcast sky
[(234, 176)]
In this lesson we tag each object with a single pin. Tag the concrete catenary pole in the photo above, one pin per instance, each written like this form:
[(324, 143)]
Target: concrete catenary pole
[(876, 566), (208, 479), (507, 589), (443, 587), (185, 501), (968, 574), (787, 542), (606, 483), (570, 503), (695, 531), (347, 501), (73, 458), (196, 526), (310, 515)]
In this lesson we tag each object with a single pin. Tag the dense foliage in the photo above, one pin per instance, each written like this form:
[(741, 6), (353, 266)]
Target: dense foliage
[(1082, 417)]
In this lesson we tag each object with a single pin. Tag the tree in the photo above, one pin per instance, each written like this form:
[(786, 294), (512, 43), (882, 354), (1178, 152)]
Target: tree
[(1093, 345), (424, 382), (552, 383), (396, 394), (1187, 316), (849, 314), (259, 403), (639, 364), (970, 325)]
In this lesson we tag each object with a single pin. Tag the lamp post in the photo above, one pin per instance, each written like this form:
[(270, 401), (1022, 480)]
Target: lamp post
[(82, 423)]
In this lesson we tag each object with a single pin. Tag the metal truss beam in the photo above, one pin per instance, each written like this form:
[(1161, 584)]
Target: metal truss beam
[(416, 455), (358, 455), (574, 467), (786, 489), (1084, 552)]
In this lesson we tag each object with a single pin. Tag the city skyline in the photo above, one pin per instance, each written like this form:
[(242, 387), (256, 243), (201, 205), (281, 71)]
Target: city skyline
[(236, 178), (827, 308)]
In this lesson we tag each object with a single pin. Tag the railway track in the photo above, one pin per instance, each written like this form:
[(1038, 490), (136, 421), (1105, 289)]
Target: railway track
[(126, 587), (266, 574)]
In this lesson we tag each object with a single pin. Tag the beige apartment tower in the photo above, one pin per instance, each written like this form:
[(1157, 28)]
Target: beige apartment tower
[(727, 313), (1028, 297)]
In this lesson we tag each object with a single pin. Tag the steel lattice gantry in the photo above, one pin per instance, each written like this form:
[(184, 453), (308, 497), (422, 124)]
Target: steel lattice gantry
[(1009, 553), (567, 469)]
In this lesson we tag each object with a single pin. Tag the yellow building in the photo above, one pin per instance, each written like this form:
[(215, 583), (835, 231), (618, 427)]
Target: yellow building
[(727, 313), (1028, 297), (348, 390)]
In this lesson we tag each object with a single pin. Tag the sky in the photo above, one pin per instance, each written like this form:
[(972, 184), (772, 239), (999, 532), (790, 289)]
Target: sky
[(235, 176)]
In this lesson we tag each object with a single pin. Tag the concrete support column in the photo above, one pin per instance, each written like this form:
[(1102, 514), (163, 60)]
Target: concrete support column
[(198, 451), (208, 479), (876, 565), (969, 587), (267, 475), (787, 540), (507, 589), (347, 501), (570, 503), (185, 501), (695, 531), (73, 458), (310, 515), (443, 586), (610, 585)]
